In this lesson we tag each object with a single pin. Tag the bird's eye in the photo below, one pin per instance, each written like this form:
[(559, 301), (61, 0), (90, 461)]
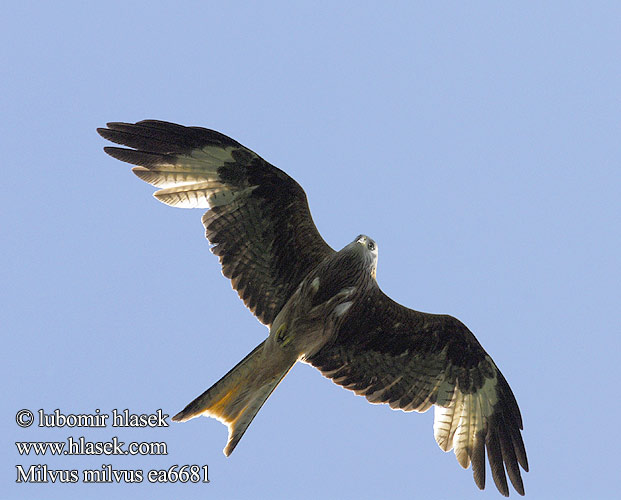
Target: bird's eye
[(371, 246)]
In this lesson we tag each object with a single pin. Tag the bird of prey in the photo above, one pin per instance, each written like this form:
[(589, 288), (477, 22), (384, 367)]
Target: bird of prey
[(321, 306)]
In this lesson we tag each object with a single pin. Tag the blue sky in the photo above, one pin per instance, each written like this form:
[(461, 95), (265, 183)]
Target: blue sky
[(478, 145)]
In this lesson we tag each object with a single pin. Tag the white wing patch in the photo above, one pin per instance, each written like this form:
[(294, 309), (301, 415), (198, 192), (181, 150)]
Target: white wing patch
[(456, 425), (192, 180), (214, 154), (170, 175)]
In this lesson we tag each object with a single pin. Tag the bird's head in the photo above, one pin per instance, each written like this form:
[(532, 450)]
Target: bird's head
[(368, 249)]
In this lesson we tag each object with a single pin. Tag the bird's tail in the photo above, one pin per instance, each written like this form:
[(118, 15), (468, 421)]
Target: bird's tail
[(236, 398)]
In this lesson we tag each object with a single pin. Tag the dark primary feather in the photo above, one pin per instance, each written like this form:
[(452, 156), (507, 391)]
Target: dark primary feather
[(163, 137), (259, 223), (412, 360)]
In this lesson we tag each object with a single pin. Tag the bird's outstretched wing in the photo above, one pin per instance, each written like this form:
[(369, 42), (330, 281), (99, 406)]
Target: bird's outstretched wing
[(259, 223), (411, 361)]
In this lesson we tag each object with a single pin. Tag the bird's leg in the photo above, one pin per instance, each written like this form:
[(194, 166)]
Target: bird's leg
[(281, 335)]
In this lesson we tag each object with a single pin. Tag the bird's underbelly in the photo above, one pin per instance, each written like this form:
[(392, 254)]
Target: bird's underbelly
[(302, 328)]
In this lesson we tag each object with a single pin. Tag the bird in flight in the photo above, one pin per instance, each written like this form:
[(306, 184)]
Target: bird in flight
[(322, 307)]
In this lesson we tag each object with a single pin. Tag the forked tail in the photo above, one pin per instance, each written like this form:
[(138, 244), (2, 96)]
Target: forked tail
[(236, 398)]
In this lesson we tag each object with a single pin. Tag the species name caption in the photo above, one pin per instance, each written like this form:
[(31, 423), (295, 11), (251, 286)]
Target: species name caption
[(80, 446)]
